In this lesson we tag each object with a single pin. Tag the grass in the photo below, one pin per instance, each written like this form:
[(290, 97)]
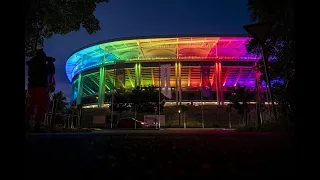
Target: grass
[(59, 129), (159, 156), (190, 124)]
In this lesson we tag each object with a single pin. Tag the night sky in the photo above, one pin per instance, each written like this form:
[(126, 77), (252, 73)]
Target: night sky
[(125, 18)]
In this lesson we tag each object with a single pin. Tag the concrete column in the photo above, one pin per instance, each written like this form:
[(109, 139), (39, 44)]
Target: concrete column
[(177, 83), (80, 88), (137, 71), (216, 77), (221, 85), (180, 88), (102, 87)]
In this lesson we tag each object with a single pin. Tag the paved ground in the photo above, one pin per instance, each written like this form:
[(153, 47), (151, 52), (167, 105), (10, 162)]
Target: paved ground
[(159, 153)]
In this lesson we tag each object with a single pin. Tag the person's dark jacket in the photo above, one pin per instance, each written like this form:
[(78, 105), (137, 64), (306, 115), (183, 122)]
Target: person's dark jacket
[(51, 67), (38, 72)]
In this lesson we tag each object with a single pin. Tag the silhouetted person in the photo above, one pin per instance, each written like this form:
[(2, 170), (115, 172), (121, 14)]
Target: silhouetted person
[(51, 72), (38, 71)]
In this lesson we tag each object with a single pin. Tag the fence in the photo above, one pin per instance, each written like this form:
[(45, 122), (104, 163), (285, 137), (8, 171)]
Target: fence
[(213, 117), (66, 120)]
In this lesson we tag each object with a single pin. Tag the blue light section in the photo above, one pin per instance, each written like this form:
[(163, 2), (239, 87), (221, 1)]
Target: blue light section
[(86, 59), (74, 96), (280, 81)]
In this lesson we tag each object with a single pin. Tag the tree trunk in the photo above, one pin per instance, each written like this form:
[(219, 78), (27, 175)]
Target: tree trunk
[(120, 114), (258, 118), (246, 117), (53, 116)]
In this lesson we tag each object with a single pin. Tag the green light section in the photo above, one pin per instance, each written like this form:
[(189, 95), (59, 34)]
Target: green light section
[(102, 87), (133, 78), (91, 83), (87, 89), (137, 70), (74, 91), (110, 78), (80, 89), (129, 74), (146, 76)]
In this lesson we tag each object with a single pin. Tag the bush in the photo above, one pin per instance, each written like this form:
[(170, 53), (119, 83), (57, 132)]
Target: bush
[(246, 129), (270, 127)]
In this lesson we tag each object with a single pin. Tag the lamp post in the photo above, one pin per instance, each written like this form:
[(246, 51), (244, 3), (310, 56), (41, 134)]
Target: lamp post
[(155, 116), (259, 32), (184, 108), (179, 117)]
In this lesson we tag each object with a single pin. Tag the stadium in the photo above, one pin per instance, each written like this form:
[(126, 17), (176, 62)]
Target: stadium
[(94, 73), (91, 69)]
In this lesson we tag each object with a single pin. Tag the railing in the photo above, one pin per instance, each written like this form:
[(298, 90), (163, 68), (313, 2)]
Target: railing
[(67, 119)]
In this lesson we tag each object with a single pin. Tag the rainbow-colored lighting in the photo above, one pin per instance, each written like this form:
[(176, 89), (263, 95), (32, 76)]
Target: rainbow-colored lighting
[(184, 48)]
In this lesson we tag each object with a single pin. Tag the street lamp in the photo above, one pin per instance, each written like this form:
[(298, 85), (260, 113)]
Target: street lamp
[(179, 117), (259, 32)]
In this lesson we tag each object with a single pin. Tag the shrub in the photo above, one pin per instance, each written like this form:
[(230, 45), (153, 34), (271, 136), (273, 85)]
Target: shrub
[(268, 127)]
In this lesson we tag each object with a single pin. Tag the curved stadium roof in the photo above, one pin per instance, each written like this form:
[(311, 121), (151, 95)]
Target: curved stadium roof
[(158, 47)]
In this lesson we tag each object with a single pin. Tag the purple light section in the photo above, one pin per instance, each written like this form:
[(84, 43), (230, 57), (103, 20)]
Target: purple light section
[(249, 82), (230, 82), (232, 47), (217, 47), (264, 84), (242, 81)]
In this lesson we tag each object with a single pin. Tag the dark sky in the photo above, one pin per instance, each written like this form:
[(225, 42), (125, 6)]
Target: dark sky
[(125, 18)]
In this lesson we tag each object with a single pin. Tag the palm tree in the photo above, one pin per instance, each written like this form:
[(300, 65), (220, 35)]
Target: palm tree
[(135, 99), (239, 101), (61, 101), (58, 104)]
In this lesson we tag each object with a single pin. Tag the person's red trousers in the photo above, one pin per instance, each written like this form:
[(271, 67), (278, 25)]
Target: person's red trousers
[(37, 104)]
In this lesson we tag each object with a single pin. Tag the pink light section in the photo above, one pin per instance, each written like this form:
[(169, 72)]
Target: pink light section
[(215, 47)]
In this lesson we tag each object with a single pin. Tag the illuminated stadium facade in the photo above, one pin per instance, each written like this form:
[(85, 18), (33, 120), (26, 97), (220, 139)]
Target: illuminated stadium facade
[(91, 70)]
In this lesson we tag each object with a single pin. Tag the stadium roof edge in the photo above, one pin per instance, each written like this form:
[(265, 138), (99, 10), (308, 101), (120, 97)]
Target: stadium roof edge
[(158, 36)]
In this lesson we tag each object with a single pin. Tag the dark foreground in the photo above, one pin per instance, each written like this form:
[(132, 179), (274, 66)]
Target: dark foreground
[(159, 154)]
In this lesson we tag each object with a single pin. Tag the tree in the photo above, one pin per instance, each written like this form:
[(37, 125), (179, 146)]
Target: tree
[(47, 17), (61, 101), (120, 103), (280, 47), (135, 99), (280, 41), (145, 99), (239, 101)]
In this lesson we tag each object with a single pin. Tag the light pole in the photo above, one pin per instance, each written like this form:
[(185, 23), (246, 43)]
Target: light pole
[(184, 117), (258, 104), (179, 117), (155, 115), (260, 32)]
